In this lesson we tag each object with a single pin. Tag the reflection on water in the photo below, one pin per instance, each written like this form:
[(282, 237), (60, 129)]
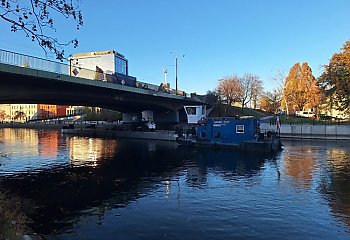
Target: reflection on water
[(301, 164), (93, 188), (89, 151)]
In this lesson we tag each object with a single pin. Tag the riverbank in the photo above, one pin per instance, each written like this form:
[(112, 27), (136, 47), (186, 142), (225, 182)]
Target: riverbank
[(155, 135), (13, 220), (287, 131)]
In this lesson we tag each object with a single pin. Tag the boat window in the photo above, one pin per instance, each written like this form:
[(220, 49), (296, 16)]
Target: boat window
[(203, 134), (203, 110), (239, 128), (191, 110), (217, 134)]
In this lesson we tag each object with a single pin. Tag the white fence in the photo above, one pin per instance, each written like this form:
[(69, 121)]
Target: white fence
[(308, 131)]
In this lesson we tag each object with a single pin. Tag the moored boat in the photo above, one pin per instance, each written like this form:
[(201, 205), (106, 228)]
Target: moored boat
[(233, 133)]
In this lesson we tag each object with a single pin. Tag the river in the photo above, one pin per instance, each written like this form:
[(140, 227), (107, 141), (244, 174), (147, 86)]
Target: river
[(67, 187)]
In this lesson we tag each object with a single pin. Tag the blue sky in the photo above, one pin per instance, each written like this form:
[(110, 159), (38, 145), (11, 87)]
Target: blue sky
[(219, 38)]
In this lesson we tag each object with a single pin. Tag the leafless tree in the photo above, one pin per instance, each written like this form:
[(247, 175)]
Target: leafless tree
[(34, 18), (251, 88)]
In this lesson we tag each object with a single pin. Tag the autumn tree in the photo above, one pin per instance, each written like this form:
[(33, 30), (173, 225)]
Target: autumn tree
[(270, 101), (312, 90), (335, 80), (35, 19), (301, 89), (230, 89), (2, 115)]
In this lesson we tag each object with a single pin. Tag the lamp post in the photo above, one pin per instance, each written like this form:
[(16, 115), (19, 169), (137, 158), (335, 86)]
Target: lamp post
[(176, 75), (176, 57)]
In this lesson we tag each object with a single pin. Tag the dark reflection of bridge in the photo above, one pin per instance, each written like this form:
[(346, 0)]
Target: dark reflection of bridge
[(65, 192)]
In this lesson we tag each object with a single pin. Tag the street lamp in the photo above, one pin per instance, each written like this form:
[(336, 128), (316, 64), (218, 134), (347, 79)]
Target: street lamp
[(176, 70)]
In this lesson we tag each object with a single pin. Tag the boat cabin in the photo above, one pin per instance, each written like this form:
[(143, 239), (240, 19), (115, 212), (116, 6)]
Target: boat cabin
[(228, 130)]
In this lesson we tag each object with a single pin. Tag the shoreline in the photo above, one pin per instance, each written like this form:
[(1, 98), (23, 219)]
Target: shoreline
[(301, 132)]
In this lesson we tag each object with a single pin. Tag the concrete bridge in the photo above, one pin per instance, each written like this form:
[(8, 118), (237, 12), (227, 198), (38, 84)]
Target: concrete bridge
[(25, 79)]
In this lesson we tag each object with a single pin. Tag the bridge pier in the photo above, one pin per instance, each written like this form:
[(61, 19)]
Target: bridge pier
[(148, 115), (166, 117), (131, 117)]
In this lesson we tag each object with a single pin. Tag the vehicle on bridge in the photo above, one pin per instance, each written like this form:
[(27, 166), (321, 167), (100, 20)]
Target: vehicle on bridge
[(109, 66)]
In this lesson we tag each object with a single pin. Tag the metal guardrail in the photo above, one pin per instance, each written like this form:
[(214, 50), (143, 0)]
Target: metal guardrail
[(21, 60)]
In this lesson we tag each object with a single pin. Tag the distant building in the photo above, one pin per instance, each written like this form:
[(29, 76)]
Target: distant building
[(24, 112), (61, 111), (27, 112), (79, 110), (74, 110), (46, 111), (328, 111)]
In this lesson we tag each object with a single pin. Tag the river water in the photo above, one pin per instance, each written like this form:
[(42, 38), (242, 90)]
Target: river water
[(93, 188)]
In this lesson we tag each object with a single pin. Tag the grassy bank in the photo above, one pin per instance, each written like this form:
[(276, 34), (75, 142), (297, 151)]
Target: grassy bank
[(222, 110)]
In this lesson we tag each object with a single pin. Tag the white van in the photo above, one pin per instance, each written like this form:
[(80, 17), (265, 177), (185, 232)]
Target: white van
[(307, 114)]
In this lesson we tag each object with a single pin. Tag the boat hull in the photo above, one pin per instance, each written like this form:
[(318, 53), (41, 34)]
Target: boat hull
[(273, 145)]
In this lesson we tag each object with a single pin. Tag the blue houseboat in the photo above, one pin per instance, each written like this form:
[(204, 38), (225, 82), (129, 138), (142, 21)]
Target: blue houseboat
[(234, 133)]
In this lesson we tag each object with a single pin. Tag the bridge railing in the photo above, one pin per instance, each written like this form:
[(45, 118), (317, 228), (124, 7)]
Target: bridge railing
[(22, 60), (70, 69)]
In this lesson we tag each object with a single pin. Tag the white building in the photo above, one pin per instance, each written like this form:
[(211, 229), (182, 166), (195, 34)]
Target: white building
[(24, 112)]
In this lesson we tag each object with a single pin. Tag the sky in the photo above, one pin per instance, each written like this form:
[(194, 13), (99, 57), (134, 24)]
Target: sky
[(217, 38)]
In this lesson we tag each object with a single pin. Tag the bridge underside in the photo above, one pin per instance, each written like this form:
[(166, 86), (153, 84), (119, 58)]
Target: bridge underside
[(65, 90)]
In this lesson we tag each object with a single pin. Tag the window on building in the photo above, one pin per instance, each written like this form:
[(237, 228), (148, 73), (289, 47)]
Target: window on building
[(217, 134), (203, 134)]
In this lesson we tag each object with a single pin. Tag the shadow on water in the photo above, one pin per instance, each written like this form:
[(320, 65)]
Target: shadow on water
[(122, 172), (55, 195), (231, 165)]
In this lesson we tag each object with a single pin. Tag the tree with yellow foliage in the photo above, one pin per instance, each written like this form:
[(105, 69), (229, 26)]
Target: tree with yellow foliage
[(301, 89), (335, 80)]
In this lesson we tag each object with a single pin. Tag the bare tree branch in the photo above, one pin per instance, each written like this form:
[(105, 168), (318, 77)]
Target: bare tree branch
[(33, 17)]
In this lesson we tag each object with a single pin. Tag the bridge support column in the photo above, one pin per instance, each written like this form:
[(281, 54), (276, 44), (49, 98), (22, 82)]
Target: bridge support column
[(166, 117), (131, 117), (147, 115)]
